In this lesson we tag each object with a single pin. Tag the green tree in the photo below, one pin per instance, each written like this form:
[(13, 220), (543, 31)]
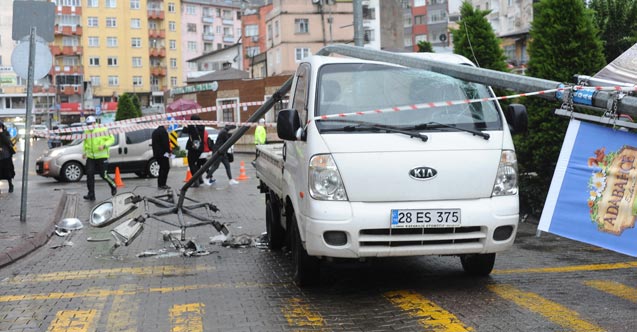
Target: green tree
[(476, 40), (564, 42), (425, 46), (125, 108), (137, 104), (617, 22)]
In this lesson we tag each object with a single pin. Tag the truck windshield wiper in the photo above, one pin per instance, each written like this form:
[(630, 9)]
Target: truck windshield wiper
[(366, 126), (430, 125)]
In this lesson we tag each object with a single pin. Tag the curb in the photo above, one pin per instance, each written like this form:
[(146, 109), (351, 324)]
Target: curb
[(38, 240)]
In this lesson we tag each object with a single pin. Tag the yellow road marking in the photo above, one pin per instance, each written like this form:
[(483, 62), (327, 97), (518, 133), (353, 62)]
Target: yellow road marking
[(575, 268), (123, 312), (162, 270), (103, 293), (614, 288), (74, 321), (299, 314), (430, 315), (187, 317), (558, 314)]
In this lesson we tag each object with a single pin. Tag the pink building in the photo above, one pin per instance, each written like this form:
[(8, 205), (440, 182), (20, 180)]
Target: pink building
[(207, 26)]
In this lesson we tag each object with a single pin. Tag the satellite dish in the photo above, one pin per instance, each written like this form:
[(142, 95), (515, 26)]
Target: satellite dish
[(443, 37)]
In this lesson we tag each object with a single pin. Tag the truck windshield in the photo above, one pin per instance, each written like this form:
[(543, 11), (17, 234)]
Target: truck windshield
[(356, 87)]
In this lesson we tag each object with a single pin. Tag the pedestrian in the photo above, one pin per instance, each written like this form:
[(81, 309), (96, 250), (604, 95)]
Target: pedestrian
[(96, 152), (194, 146), (223, 136), (7, 171), (54, 141), (161, 152), (260, 137)]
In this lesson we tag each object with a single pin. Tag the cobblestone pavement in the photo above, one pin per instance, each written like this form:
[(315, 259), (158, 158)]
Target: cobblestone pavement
[(78, 283)]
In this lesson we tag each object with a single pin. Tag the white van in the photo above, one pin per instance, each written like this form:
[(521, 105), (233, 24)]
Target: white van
[(369, 168)]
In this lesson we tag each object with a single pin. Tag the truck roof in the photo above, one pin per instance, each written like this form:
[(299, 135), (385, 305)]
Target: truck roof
[(319, 60)]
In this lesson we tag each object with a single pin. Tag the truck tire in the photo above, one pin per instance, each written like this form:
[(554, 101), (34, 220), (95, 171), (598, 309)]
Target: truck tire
[(478, 265), (307, 269), (275, 232)]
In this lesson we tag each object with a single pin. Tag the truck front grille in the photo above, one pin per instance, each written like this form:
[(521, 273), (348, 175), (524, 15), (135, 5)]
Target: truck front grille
[(385, 237)]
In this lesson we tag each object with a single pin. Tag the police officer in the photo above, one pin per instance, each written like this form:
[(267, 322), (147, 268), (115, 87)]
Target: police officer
[(96, 151)]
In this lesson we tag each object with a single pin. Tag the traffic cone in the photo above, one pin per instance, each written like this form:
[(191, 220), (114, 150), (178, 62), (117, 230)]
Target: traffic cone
[(118, 178), (188, 176), (242, 172)]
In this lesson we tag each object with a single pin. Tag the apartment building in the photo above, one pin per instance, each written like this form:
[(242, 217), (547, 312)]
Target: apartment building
[(296, 29), (430, 23), (208, 26), (254, 40)]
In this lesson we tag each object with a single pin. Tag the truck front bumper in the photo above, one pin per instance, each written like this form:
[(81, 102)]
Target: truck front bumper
[(366, 227)]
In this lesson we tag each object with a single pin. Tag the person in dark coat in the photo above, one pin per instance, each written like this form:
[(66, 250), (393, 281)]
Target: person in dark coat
[(161, 152), (7, 171), (195, 133), (223, 136)]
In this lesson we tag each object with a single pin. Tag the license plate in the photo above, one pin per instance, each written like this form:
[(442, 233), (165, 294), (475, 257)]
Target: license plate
[(425, 218)]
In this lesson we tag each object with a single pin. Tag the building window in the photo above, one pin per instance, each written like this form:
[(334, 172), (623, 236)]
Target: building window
[(301, 53), (93, 41), (113, 80), (70, 41), (137, 61), (252, 51), (173, 81), (92, 3), (419, 38), (112, 61), (95, 81), (171, 7), (172, 44), (192, 66), (269, 31), (230, 110), (407, 20), (172, 26), (94, 61), (436, 16), (191, 27), (276, 28), (110, 3), (252, 30), (192, 46), (111, 41), (111, 22), (369, 36), (420, 3), (301, 25), (208, 47), (420, 19), (227, 15), (191, 10), (137, 81), (407, 41), (135, 23), (173, 63), (136, 42), (93, 21), (134, 4), (369, 13)]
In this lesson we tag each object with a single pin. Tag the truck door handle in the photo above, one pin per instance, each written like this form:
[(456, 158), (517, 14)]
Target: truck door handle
[(125, 150), (119, 150), (284, 150)]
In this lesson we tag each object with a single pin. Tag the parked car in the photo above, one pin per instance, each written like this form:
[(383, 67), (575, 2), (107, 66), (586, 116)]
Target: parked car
[(131, 152), (182, 139)]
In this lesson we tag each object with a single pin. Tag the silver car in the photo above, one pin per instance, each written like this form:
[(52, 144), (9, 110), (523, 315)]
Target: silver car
[(132, 153)]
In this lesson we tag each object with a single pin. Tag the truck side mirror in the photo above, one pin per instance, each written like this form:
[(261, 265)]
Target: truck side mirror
[(287, 124), (517, 118)]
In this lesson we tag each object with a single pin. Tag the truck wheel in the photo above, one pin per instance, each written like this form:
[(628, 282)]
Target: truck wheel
[(478, 265), (276, 234), (72, 171), (307, 269)]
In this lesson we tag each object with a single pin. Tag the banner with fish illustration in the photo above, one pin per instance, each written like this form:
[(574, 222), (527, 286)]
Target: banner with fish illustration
[(593, 191)]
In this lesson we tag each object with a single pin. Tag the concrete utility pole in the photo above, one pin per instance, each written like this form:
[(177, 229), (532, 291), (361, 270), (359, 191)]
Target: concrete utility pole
[(359, 33)]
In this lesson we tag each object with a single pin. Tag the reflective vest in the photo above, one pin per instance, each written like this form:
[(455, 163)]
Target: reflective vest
[(259, 135), (92, 144)]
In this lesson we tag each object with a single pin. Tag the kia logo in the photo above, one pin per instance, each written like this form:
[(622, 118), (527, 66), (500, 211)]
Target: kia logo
[(422, 173)]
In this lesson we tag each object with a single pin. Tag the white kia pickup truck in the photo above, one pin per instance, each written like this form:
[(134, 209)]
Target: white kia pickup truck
[(372, 166)]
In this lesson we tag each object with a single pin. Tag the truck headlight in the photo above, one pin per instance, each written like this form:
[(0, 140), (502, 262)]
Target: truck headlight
[(506, 181), (325, 180)]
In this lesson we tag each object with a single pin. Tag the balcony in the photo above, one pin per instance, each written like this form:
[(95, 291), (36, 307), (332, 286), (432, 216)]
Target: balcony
[(158, 71), (157, 88), (155, 14), (228, 38), (68, 10), (55, 70), (227, 21), (208, 36), (68, 30), (66, 50), (207, 19), (70, 90), (158, 52), (157, 33)]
